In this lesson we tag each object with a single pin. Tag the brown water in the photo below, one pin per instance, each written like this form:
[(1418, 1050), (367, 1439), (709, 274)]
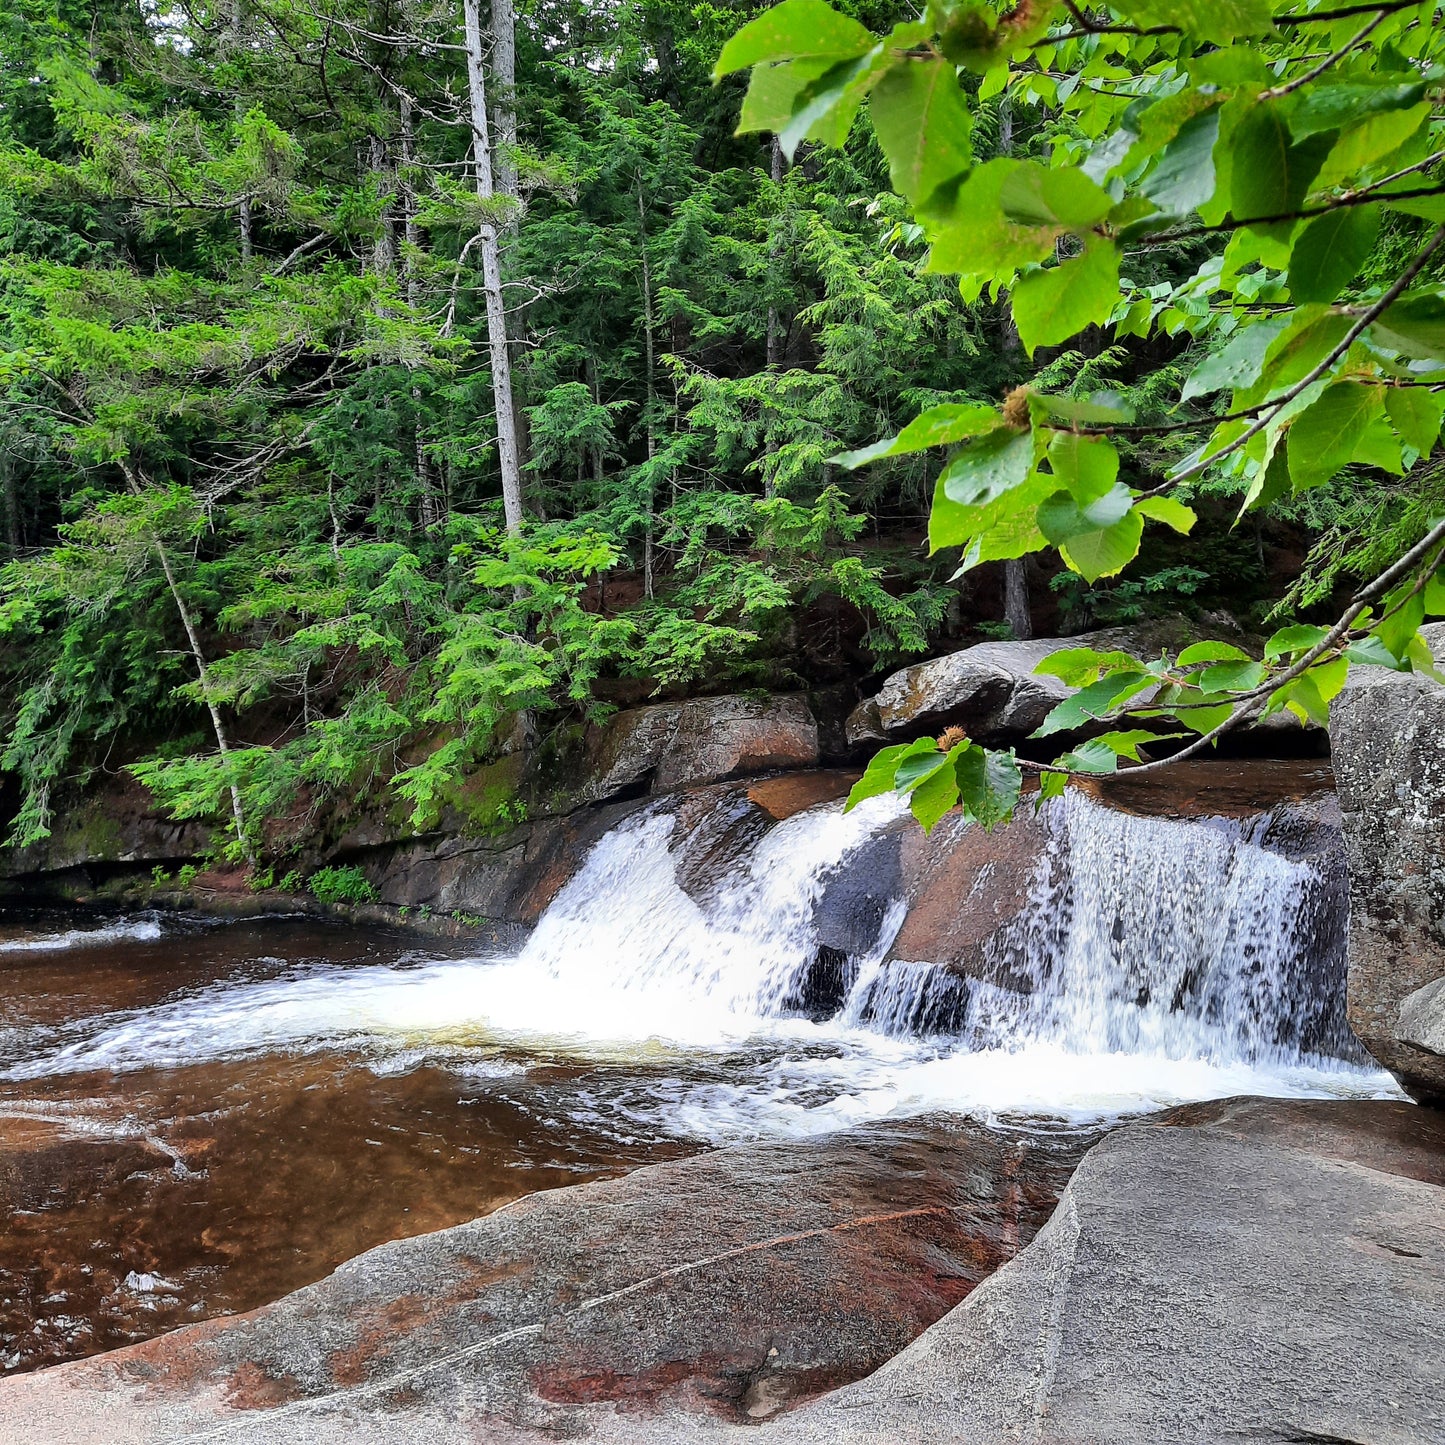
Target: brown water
[(136, 1201)]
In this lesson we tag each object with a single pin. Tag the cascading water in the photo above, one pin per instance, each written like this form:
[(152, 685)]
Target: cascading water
[(1161, 960)]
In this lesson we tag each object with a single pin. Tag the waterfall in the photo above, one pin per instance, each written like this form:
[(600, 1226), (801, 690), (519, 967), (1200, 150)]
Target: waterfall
[(1183, 937), (748, 974)]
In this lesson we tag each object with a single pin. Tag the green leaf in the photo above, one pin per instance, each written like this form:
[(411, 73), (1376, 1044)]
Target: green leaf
[(1183, 177), (1414, 325), (1212, 651), (1050, 306), (1269, 172), (1087, 465), (1330, 250), (1165, 509), (1435, 596), (923, 126), (969, 233), (1061, 517), (920, 763), (880, 772), (1232, 676), (1333, 107), (938, 426), (1217, 20), (1238, 362), (1127, 744), (1308, 697), (1051, 785), (1035, 195), (1079, 666), (954, 524), (934, 796), (1105, 554), (1097, 701), (1103, 408), (1416, 415), (988, 466), (1404, 614), (774, 92), (1323, 438), (988, 784), (792, 29), (1299, 637), (1094, 756)]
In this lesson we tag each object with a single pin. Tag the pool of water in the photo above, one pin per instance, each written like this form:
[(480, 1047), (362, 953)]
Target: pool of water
[(198, 1117)]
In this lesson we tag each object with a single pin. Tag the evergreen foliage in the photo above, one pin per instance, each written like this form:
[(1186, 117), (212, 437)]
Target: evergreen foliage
[(254, 545)]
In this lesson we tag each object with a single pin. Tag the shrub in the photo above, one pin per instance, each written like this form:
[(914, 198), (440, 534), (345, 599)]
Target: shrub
[(342, 885)]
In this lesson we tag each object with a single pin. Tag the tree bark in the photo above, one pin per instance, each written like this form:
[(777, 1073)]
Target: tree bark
[(11, 494), (650, 350), (507, 450), (775, 252), (433, 513), (504, 78)]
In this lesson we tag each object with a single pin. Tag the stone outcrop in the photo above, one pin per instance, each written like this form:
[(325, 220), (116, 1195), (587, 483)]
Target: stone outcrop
[(991, 689), (1387, 730), (1262, 1271), (725, 1287), (1242, 1273), (703, 740)]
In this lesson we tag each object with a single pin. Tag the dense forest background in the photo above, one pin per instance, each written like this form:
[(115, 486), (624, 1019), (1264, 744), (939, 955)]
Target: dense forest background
[(266, 543)]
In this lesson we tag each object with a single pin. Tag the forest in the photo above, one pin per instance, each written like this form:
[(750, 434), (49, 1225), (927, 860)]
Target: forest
[(388, 386)]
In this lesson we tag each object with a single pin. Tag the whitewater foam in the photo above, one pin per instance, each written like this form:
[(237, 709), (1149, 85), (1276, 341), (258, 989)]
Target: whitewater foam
[(681, 1003)]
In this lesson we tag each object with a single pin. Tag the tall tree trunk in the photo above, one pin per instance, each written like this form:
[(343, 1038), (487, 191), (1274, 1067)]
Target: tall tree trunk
[(384, 256), (1016, 611), (433, 513), (203, 673), (504, 85), (11, 495), (244, 217), (507, 450), (650, 354), (775, 252)]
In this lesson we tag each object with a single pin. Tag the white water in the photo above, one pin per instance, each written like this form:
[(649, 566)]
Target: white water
[(1164, 959), (125, 930)]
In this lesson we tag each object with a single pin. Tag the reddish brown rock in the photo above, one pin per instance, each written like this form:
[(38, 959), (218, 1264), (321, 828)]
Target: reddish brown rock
[(703, 740), (727, 1286)]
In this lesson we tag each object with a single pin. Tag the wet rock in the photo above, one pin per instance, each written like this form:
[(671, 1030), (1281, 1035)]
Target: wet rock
[(855, 901), (990, 689), (969, 894), (1387, 730), (509, 877), (702, 740), (723, 1288), (714, 832), (1253, 1272), (820, 989)]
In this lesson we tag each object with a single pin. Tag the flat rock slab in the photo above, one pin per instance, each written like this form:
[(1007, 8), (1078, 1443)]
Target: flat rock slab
[(1257, 1271), (721, 1288)]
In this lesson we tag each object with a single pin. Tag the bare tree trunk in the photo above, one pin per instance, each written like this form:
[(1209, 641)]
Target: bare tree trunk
[(775, 252), (244, 218), (504, 80), (650, 354), (384, 257), (432, 512), (11, 496), (507, 451)]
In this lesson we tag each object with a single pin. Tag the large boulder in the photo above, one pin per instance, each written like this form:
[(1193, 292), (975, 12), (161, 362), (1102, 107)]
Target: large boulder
[(991, 689), (703, 740), (1387, 731), (1259, 1271), (724, 1287)]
